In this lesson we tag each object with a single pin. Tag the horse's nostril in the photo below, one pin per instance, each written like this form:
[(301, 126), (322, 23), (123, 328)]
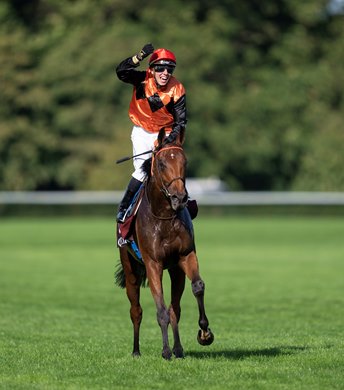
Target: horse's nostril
[(182, 198)]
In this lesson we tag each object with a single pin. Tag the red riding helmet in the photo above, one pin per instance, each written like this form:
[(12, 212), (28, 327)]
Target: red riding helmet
[(162, 55)]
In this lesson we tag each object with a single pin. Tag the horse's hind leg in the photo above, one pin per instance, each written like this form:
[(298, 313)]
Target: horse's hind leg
[(177, 288), (133, 293), (190, 266), (132, 284)]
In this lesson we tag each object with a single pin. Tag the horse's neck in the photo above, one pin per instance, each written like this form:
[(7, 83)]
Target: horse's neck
[(158, 203)]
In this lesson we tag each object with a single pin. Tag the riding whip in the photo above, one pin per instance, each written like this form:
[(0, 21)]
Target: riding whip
[(131, 157)]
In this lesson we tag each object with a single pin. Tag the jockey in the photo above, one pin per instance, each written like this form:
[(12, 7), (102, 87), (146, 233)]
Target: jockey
[(158, 100)]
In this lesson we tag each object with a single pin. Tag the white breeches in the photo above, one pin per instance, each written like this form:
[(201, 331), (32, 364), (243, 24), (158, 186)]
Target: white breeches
[(142, 141)]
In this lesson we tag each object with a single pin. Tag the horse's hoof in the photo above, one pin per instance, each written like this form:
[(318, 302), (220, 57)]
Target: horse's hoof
[(136, 354), (178, 353), (166, 354), (205, 337)]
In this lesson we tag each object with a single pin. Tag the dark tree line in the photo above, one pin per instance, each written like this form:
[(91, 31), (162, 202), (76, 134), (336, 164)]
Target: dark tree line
[(264, 83)]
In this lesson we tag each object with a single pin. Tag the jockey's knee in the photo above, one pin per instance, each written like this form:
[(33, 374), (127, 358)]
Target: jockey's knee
[(198, 287)]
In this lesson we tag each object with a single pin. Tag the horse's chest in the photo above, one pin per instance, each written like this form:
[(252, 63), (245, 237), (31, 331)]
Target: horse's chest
[(167, 241), (174, 244)]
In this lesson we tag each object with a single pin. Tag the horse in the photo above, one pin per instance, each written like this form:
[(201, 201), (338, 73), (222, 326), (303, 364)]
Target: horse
[(164, 234)]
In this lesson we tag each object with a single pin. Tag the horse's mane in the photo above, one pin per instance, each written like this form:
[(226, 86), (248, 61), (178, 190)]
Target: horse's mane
[(146, 167)]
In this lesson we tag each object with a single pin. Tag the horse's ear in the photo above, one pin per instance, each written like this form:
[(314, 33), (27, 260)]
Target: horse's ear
[(182, 135), (161, 136)]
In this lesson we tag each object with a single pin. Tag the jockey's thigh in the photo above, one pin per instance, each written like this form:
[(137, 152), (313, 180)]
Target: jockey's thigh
[(142, 141)]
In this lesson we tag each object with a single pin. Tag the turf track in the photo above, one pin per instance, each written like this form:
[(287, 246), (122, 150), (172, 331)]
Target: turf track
[(274, 298)]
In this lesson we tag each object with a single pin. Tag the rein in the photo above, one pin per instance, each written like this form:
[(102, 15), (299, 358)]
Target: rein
[(173, 216)]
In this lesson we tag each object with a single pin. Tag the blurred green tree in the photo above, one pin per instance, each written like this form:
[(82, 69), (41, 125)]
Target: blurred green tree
[(263, 80)]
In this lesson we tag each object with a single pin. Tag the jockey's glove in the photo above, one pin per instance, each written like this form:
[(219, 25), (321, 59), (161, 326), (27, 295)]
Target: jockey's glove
[(145, 52), (171, 137)]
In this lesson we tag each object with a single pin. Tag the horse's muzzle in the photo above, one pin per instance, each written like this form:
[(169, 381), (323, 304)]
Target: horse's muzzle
[(179, 201)]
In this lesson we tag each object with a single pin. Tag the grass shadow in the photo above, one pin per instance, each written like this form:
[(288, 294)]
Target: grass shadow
[(239, 354)]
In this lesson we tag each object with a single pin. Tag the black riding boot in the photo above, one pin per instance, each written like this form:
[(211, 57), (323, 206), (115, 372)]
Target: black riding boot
[(133, 187)]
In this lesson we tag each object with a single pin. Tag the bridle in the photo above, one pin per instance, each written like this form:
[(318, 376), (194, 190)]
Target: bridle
[(165, 186)]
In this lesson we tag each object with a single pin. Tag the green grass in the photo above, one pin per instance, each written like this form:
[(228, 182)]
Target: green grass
[(274, 298)]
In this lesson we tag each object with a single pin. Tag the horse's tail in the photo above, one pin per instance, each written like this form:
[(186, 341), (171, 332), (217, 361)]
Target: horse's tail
[(140, 273), (120, 276)]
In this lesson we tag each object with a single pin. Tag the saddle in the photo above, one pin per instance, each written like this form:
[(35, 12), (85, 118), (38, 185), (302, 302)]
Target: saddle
[(125, 228)]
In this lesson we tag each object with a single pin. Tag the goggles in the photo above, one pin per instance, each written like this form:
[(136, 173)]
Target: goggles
[(161, 68)]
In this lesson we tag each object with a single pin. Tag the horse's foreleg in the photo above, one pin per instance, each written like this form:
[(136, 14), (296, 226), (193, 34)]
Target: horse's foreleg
[(190, 266), (154, 274), (205, 335), (177, 288)]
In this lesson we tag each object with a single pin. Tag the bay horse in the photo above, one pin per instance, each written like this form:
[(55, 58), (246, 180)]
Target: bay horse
[(164, 233)]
